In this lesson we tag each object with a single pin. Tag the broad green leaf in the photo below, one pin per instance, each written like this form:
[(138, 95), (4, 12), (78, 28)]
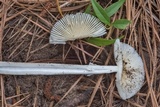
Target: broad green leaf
[(100, 12), (112, 9), (101, 41), (121, 23), (88, 9)]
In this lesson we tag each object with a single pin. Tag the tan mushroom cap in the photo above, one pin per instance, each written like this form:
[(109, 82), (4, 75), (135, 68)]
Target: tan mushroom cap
[(130, 75), (76, 26)]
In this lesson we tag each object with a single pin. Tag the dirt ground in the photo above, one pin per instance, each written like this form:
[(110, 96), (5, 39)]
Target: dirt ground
[(25, 29)]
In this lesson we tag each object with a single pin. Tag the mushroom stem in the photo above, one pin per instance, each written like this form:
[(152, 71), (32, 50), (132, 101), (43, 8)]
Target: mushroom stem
[(16, 68)]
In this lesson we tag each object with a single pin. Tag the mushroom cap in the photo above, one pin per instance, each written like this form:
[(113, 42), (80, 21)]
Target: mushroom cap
[(130, 75), (76, 26)]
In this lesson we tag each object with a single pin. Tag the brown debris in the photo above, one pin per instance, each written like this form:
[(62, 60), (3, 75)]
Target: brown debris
[(47, 91), (76, 99)]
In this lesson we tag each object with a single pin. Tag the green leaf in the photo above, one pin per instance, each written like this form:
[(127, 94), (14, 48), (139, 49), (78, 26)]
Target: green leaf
[(121, 23), (112, 9), (101, 41), (100, 12), (88, 9)]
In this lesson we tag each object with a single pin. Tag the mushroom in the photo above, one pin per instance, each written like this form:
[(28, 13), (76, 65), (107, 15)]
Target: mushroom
[(76, 26), (129, 76)]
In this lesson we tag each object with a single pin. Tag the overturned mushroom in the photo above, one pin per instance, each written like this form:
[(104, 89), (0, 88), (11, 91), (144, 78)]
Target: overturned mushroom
[(129, 77), (76, 26)]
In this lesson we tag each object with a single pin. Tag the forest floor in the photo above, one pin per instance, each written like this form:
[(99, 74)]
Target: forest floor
[(25, 27)]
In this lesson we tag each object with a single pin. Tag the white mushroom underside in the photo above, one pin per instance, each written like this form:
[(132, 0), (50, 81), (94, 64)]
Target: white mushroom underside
[(76, 26), (131, 79)]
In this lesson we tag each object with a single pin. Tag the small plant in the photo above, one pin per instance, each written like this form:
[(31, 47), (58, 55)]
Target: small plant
[(104, 15)]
